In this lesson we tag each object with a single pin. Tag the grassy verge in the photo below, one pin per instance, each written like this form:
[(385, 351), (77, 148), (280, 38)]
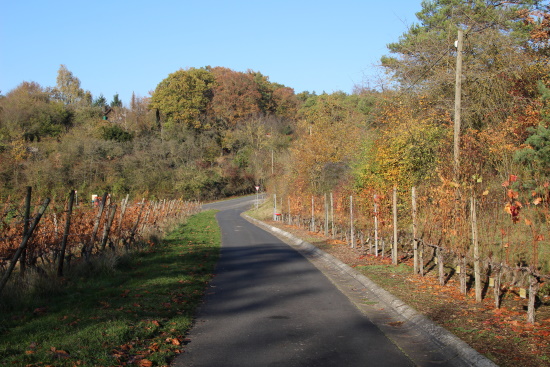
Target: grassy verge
[(137, 314)]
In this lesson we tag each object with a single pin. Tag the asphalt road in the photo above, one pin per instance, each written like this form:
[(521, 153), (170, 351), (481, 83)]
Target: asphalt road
[(269, 306)]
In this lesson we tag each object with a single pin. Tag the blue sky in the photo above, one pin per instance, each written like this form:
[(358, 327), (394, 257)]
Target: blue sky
[(130, 46)]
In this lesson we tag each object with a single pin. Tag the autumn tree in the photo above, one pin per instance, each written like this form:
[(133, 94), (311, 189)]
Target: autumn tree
[(141, 119), (494, 59), (204, 133), (406, 145), (235, 97), (329, 131), (501, 68), (184, 97), (68, 89), (29, 112)]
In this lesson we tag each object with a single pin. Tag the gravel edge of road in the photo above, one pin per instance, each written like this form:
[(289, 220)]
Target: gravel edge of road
[(448, 343)]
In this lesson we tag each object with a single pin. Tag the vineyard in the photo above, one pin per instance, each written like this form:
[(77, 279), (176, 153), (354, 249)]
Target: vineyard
[(64, 233), (495, 239)]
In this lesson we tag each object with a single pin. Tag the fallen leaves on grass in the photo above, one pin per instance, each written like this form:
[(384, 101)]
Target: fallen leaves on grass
[(59, 353)]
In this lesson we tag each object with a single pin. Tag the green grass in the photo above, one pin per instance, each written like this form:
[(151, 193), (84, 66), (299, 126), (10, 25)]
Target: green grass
[(140, 311)]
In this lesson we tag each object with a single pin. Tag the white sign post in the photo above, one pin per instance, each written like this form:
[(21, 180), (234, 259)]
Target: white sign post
[(257, 189)]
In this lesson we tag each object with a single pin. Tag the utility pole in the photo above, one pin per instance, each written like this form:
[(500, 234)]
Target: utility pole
[(458, 93)]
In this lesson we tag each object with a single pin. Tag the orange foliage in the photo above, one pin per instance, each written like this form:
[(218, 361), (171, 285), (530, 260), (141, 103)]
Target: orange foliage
[(46, 240)]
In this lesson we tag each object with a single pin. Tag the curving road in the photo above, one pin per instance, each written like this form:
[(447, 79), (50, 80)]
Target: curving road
[(269, 306)]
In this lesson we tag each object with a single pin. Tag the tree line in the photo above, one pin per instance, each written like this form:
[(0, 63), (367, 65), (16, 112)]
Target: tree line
[(212, 132), (203, 133)]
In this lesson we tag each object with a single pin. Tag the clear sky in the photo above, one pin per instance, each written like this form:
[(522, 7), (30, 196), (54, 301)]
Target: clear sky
[(130, 46)]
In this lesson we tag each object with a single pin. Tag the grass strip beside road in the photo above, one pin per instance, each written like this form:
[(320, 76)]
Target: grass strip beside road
[(136, 314)]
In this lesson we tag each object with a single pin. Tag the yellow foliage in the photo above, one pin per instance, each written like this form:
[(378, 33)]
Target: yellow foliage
[(19, 150)]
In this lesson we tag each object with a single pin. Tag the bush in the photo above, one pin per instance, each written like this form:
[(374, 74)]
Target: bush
[(116, 133)]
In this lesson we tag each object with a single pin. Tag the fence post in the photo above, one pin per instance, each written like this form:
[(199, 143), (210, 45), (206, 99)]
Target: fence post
[(26, 219), (496, 288), (477, 267), (135, 227), (87, 248), (352, 234), (462, 274), (375, 227), (124, 205), (414, 229), (312, 227), (289, 213), (533, 289), (332, 214), (394, 249), (66, 233), (326, 215), (107, 227)]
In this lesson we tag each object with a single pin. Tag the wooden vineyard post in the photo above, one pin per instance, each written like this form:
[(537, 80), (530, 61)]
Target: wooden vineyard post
[(23, 244), (475, 240), (421, 260), (123, 207), (462, 274), (375, 227), (289, 212), (87, 249), (326, 216), (332, 215), (440, 265), (533, 290), (107, 227), (134, 228), (65, 234), (312, 227), (533, 280), (414, 230), (150, 208), (23, 260), (394, 248), (352, 234), (496, 288)]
